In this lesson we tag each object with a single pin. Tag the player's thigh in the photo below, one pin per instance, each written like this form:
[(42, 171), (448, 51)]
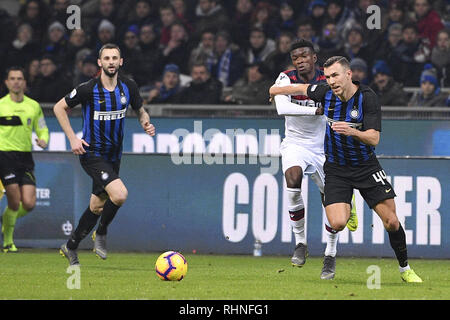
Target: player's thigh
[(293, 164), (386, 211), (117, 192), (293, 176), (13, 195), (338, 214), (28, 196)]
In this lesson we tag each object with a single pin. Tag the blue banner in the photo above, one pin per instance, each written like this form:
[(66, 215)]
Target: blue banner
[(256, 136), (220, 204)]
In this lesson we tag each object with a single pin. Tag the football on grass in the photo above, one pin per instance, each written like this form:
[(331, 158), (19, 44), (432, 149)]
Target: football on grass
[(171, 266)]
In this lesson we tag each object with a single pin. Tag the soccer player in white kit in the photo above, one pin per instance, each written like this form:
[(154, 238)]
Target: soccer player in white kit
[(302, 149)]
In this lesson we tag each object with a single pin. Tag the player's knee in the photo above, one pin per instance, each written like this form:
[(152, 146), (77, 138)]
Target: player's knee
[(293, 180), (337, 224), (120, 197), (29, 205), (391, 224)]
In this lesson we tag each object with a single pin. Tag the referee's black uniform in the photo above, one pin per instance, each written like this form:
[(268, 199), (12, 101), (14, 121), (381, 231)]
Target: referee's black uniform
[(351, 164), (103, 126)]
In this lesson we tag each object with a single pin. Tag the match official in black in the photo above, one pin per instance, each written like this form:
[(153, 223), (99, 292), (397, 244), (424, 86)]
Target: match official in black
[(354, 124), (104, 103)]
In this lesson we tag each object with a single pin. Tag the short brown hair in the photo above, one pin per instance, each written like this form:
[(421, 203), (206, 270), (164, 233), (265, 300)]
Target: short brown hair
[(109, 46), (337, 59)]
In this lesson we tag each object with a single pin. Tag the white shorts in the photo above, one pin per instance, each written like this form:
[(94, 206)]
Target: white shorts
[(311, 162)]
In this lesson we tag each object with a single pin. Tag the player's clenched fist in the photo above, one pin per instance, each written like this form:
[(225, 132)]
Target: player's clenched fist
[(149, 128)]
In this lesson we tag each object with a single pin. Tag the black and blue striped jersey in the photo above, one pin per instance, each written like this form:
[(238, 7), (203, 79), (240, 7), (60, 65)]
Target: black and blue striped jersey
[(362, 111), (104, 113)]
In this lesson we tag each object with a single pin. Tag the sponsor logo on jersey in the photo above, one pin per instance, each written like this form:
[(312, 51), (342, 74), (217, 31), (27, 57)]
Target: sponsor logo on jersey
[(109, 115)]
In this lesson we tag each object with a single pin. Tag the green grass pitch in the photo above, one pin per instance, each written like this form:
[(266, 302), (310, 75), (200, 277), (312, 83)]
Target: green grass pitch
[(42, 274)]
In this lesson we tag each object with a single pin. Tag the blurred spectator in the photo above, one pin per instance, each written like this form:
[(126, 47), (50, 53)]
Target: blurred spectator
[(89, 69), (151, 55), (338, 12), (132, 55), (204, 52), (260, 46), (59, 11), (210, 14), (143, 13), (77, 41), (428, 21), (56, 42), (51, 84), (177, 50), (280, 58), (286, 19), (430, 94), (317, 13), (23, 48), (253, 87), (35, 13), (359, 70), (241, 22), (440, 56), (397, 13), (390, 93), (412, 53), (305, 31), (388, 49), (183, 14), (263, 18), (167, 90), (203, 89), (330, 43), (106, 33), (167, 17), (78, 64), (355, 46), (230, 60), (106, 11), (31, 74)]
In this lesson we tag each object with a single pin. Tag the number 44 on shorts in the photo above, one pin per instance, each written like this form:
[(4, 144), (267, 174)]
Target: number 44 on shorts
[(380, 176)]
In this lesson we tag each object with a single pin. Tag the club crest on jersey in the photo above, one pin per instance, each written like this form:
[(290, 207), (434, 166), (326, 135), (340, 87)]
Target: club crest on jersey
[(123, 99), (354, 114)]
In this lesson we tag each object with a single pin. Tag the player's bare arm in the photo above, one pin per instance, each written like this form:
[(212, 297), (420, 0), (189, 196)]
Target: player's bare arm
[(370, 137), (144, 120), (76, 144)]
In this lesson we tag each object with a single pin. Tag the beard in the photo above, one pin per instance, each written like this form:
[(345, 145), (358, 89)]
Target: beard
[(110, 74)]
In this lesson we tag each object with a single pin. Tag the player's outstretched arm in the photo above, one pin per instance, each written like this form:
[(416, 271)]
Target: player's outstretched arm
[(292, 89), (144, 119), (60, 110)]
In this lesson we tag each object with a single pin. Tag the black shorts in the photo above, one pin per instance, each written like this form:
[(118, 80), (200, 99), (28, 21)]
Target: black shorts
[(369, 179), (17, 167), (101, 171)]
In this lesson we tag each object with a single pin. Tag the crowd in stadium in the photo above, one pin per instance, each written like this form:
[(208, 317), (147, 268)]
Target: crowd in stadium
[(228, 52)]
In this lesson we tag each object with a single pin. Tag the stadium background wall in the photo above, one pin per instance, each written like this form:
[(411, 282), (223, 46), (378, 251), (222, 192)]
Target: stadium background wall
[(215, 204)]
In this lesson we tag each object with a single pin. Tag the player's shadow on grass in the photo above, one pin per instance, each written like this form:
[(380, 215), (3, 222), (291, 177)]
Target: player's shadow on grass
[(113, 268)]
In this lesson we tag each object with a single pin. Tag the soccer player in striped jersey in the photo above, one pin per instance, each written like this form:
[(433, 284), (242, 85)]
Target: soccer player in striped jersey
[(19, 117), (302, 150), (353, 114), (104, 103)]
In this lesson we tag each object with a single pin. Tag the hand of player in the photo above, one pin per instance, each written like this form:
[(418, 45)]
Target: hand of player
[(41, 143), (319, 111), (342, 128), (149, 128), (77, 146)]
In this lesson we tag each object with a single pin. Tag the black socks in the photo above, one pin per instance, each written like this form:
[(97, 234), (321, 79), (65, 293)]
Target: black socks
[(87, 222), (398, 243), (108, 214)]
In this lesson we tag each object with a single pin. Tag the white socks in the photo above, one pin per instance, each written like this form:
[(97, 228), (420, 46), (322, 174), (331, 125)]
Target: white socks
[(297, 214)]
